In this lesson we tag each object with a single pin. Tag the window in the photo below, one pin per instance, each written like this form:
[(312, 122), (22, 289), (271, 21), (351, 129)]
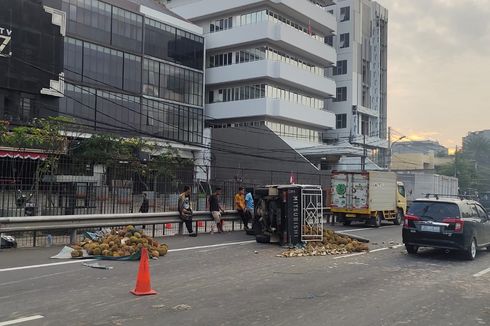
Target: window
[(73, 59), (344, 41), (329, 40), (79, 102), (102, 65), (366, 99), (90, 19), (221, 24), (25, 109), (344, 14), (172, 121), (115, 110), (132, 73), (151, 77), (341, 68), (341, 94), (127, 29), (341, 121), (483, 214), (168, 43)]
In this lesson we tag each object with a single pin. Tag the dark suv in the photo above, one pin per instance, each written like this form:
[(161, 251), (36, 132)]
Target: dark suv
[(447, 223)]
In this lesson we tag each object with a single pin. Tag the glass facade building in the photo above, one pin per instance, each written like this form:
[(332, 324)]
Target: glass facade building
[(131, 74)]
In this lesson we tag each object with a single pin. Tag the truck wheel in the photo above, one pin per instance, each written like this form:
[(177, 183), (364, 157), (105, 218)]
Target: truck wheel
[(399, 217), (470, 253), (411, 249), (263, 238)]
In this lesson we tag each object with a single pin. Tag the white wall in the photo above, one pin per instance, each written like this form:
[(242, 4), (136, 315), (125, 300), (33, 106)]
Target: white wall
[(272, 108), (280, 72)]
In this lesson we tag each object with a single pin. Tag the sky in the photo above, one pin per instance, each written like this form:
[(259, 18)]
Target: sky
[(438, 68)]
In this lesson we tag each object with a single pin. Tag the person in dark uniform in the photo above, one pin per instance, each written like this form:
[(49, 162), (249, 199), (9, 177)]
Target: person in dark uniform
[(145, 205)]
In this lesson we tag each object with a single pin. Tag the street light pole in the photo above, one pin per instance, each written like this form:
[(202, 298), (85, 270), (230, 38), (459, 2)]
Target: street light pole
[(390, 145)]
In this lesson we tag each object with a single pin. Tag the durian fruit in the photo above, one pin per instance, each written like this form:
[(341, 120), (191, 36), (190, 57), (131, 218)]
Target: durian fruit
[(76, 253), (137, 235), (155, 253), (105, 252), (96, 251), (162, 250)]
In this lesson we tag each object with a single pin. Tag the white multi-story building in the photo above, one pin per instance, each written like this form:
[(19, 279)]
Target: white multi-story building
[(266, 65), (360, 103), (266, 62)]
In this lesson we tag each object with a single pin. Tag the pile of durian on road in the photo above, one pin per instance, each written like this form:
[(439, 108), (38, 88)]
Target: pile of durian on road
[(120, 243), (332, 244)]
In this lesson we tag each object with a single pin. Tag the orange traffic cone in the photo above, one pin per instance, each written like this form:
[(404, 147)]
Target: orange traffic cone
[(143, 286)]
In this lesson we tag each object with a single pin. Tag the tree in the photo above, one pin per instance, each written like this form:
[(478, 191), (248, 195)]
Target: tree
[(477, 147), (46, 134), (111, 152)]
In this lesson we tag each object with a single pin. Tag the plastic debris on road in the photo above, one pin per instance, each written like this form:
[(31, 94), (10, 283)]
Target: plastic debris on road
[(97, 265)]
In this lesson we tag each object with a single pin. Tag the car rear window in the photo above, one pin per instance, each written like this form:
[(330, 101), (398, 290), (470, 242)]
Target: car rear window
[(433, 211)]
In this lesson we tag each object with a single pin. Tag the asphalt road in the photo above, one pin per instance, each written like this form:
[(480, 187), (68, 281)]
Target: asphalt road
[(202, 282)]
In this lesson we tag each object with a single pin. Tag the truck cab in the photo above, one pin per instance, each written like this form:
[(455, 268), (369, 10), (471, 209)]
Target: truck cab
[(401, 197)]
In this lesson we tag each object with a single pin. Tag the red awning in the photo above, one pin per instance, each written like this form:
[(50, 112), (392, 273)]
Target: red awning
[(23, 155)]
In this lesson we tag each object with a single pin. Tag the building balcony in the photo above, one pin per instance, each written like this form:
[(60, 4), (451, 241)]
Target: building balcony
[(273, 109), (277, 34), (301, 10), (280, 72)]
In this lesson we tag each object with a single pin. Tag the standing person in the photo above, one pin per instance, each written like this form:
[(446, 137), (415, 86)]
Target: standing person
[(185, 210), (249, 207), (216, 209), (145, 205), (240, 206)]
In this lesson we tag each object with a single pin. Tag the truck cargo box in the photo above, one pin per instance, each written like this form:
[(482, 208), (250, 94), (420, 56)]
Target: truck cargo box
[(364, 191)]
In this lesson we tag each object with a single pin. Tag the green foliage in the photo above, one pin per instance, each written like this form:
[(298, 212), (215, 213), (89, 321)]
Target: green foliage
[(111, 151), (44, 133), (463, 169), (472, 165)]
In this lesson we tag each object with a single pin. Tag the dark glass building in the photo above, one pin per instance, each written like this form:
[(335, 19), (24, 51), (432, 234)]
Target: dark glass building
[(131, 68)]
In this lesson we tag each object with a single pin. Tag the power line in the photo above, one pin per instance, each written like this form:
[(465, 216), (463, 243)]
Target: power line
[(174, 105)]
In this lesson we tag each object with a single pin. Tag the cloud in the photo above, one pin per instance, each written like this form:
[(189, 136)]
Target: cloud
[(439, 54)]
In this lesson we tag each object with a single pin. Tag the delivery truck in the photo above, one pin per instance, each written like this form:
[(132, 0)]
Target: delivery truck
[(369, 197), (418, 185)]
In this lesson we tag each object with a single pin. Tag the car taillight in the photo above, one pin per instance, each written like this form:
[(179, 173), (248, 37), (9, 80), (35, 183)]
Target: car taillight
[(457, 222), (408, 221)]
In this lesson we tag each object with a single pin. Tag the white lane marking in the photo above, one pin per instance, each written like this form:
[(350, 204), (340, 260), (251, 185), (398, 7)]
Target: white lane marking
[(483, 272), (87, 260), (370, 251), (397, 246), (379, 249), (213, 246), (44, 265), (20, 320), (351, 255), (354, 230)]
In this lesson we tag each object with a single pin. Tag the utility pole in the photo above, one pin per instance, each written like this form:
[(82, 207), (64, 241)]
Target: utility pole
[(456, 162), (388, 158), (364, 154)]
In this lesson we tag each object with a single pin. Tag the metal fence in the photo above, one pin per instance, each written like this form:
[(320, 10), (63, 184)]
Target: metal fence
[(72, 188)]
